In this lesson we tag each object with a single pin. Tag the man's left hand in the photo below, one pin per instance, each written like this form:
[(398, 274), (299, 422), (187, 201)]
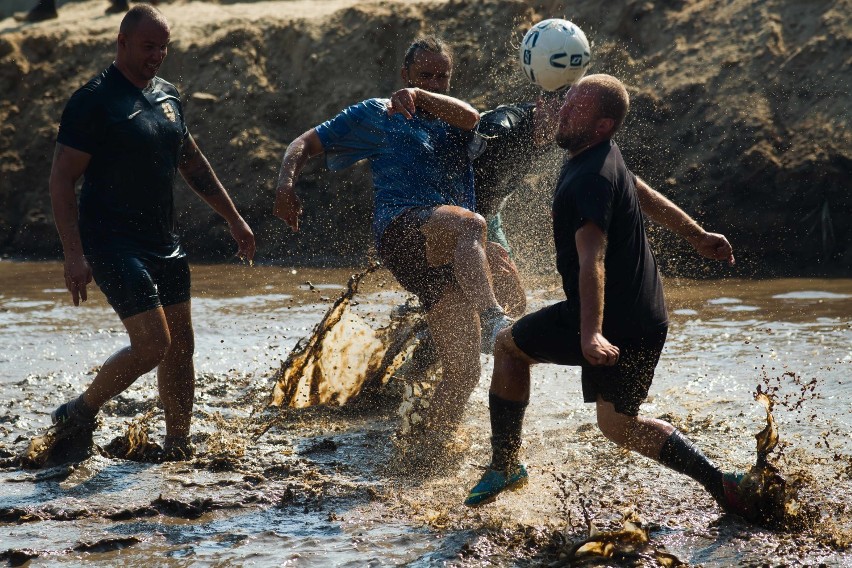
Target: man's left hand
[(244, 237), (403, 102)]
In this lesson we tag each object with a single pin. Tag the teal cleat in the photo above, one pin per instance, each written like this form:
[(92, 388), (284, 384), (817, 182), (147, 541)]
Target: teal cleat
[(493, 482)]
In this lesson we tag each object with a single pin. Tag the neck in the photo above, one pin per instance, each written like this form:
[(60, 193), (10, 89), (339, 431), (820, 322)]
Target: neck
[(574, 152), (141, 83)]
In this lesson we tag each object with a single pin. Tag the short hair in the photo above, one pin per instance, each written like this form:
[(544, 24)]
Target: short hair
[(432, 44), (613, 100), (137, 14)]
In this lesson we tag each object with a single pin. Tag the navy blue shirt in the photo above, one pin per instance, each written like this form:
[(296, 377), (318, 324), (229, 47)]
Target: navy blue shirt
[(135, 137), (596, 187)]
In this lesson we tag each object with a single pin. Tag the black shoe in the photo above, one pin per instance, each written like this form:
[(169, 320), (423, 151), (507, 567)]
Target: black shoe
[(117, 7), (38, 14), (72, 438)]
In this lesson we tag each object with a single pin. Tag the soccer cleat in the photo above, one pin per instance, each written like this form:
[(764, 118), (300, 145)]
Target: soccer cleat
[(72, 437), (493, 482), (492, 322)]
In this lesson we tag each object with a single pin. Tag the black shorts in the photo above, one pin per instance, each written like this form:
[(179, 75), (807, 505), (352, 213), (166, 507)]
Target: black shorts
[(135, 282), (552, 335), (403, 251)]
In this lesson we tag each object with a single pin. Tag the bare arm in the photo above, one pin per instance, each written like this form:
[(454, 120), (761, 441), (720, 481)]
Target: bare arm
[(452, 111), (68, 166), (198, 173), (591, 248), (288, 206), (662, 211)]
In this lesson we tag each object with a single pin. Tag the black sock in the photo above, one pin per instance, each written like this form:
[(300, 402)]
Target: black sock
[(507, 420), (683, 456), (79, 410)]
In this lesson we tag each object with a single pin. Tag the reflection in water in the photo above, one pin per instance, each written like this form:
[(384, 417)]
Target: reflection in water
[(314, 489)]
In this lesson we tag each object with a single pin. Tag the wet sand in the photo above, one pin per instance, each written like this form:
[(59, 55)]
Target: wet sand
[(315, 489)]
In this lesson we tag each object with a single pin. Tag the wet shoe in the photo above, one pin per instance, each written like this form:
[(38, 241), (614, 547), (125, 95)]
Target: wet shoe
[(493, 321), (731, 499), (493, 482), (72, 438), (180, 449)]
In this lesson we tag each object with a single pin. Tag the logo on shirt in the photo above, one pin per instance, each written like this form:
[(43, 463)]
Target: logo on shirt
[(169, 110)]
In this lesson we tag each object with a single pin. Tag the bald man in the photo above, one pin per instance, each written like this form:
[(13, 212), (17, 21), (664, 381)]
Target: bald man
[(613, 323), (124, 133)]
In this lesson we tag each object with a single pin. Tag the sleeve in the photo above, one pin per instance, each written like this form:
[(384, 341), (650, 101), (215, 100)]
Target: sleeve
[(592, 197), (79, 127), (354, 134), (172, 90)]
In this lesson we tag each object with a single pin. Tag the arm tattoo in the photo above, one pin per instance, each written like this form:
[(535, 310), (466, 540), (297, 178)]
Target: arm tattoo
[(197, 172)]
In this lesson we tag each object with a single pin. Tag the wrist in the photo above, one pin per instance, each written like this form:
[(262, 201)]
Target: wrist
[(694, 234)]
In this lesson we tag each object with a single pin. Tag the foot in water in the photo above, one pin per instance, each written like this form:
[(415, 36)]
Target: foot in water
[(71, 437)]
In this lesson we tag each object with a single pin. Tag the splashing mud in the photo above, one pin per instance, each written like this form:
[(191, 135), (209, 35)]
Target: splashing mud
[(344, 356), (772, 499)]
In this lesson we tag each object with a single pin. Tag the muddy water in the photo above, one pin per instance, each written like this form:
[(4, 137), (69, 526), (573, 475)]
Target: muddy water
[(315, 490)]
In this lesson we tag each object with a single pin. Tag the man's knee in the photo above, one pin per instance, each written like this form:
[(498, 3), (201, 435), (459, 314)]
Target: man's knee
[(473, 226), (505, 348), (153, 350), (615, 426)]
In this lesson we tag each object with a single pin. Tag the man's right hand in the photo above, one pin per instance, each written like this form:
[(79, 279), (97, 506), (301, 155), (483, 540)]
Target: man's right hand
[(78, 274), (288, 206), (599, 351)]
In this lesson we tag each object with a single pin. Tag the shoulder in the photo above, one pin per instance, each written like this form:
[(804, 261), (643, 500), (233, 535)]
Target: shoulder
[(161, 84), (95, 89), (369, 108)]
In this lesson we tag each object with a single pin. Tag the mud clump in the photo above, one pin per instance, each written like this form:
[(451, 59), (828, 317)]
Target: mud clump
[(771, 499)]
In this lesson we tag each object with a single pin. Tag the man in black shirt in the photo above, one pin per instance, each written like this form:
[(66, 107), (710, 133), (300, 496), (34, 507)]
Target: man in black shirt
[(613, 323), (124, 132)]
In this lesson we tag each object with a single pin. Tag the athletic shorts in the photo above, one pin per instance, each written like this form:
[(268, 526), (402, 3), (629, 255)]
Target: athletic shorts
[(403, 251), (136, 282), (552, 335)]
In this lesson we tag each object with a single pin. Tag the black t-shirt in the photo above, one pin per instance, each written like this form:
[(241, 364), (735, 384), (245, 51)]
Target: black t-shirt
[(509, 148), (135, 138), (597, 187)]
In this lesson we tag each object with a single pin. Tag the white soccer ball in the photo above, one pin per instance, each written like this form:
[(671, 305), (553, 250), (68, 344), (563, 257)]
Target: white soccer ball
[(554, 54)]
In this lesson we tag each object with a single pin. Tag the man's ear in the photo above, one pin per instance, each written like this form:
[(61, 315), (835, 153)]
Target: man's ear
[(606, 126), (404, 74)]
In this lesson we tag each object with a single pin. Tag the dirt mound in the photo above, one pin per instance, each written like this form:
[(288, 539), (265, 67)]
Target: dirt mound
[(739, 113)]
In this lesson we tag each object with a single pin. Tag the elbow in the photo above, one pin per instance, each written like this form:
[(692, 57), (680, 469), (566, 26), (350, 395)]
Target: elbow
[(470, 119)]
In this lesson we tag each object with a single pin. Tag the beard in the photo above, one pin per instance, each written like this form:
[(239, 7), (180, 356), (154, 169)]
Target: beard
[(573, 141)]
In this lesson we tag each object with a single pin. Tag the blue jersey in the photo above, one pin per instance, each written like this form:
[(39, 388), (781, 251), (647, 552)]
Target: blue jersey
[(417, 162)]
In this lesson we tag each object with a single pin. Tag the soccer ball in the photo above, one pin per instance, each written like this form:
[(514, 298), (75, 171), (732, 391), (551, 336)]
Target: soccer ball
[(554, 54)]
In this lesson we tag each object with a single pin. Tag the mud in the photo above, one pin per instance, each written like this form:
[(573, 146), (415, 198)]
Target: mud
[(315, 485)]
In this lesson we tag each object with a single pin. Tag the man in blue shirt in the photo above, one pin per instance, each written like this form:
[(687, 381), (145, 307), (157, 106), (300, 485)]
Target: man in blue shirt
[(425, 228)]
